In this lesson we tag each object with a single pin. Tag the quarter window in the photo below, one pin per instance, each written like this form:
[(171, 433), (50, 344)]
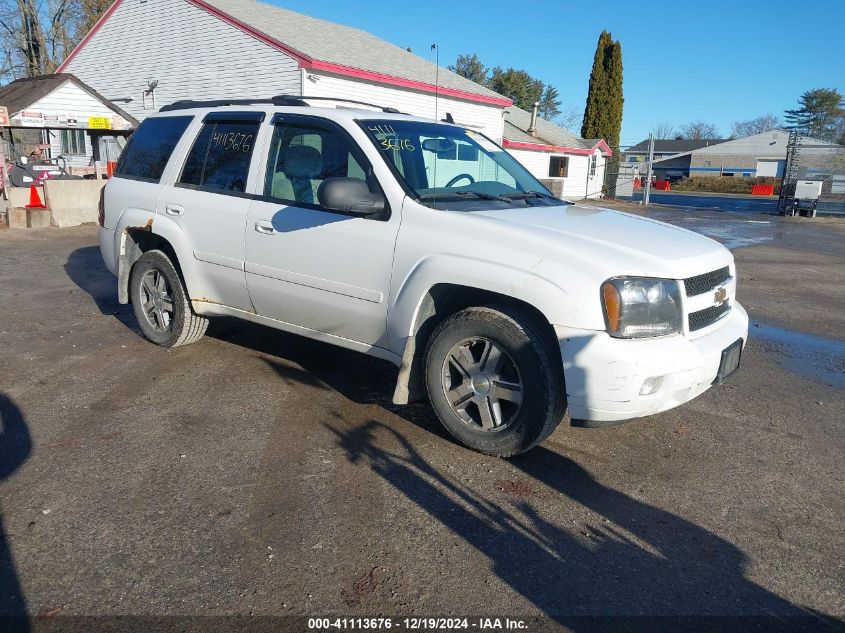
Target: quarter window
[(303, 155), (150, 147), (220, 157)]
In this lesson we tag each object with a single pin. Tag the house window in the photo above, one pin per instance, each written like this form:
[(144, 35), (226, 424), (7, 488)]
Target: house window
[(558, 167), (728, 174), (73, 142), (593, 161)]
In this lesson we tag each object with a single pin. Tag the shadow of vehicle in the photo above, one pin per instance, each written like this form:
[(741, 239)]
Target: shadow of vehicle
[(634, 568), (85, 268), (358, 377), (15, 449)]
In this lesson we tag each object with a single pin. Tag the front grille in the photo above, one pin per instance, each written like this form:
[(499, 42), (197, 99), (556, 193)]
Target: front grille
[(700, 284), (708, 316)]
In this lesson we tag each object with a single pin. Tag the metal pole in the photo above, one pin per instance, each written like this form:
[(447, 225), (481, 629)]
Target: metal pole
[(648, 171)]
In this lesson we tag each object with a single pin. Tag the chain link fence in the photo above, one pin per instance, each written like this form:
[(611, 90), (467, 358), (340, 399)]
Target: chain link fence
[(814, 178)]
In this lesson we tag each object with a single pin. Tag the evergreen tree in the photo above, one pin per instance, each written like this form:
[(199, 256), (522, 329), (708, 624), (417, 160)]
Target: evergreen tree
[(820, 114), (470, 66), (550, 103), (516, 85), (603, 112)]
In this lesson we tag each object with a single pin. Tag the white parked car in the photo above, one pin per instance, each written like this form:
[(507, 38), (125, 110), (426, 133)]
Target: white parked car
[(425, 244)]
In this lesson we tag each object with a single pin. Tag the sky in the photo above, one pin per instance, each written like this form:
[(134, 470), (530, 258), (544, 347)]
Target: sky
[(719, 61)]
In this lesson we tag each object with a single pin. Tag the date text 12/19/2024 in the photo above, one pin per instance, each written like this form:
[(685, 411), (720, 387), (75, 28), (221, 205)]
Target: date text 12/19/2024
[(415, 624)]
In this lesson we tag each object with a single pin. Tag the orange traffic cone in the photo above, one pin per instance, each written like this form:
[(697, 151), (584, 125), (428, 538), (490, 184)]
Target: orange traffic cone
[(35, 199)]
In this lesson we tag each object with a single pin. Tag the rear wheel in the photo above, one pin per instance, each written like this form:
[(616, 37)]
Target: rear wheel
[(495, 380), (161, 304)]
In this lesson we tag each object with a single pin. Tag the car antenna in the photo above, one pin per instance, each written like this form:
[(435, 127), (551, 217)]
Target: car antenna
[(436, 50)]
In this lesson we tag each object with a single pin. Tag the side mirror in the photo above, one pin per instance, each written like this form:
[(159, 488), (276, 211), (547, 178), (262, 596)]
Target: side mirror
[(352, 196)]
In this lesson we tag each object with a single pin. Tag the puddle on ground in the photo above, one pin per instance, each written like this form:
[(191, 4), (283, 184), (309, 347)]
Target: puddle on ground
[(731, 233), (818, 358)]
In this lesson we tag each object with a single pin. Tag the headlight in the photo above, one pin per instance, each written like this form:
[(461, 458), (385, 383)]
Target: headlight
[(639, 307)]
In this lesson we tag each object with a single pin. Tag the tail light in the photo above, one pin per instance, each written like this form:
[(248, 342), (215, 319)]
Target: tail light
[(101, 215)]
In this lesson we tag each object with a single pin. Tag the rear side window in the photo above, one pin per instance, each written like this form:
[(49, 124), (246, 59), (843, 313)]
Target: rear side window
[(150, 147), (219, 160)]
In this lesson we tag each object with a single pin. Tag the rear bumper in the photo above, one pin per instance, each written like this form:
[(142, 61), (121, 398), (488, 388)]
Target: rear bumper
[(605, 376), (107, 249)]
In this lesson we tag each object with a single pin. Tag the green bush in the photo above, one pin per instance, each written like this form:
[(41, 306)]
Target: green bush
[(723, 184)]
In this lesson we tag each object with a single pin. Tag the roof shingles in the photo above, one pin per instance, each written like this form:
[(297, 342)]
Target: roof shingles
[(346, 46)]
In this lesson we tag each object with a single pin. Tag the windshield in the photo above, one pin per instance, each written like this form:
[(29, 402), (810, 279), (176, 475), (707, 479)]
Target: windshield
[(446, 165)]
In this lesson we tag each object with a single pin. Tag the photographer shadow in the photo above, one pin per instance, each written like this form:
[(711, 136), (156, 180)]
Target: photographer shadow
[(15, 449)]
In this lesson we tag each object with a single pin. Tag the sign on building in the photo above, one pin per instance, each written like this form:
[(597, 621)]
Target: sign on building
[(99, 123), (28, 118)]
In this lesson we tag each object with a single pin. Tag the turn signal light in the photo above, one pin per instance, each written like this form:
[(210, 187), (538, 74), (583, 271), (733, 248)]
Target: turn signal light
[(612, 305)]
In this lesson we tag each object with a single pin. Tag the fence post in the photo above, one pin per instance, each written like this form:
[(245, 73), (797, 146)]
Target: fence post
[(647, 191)]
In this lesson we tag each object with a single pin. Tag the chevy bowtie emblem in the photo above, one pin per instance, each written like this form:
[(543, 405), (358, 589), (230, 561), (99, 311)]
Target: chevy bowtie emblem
[(721, 296)]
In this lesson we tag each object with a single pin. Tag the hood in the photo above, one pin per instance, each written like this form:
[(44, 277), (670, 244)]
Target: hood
[(619, 243)]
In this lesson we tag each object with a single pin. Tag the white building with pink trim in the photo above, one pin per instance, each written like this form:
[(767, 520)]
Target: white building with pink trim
[(146, 54)]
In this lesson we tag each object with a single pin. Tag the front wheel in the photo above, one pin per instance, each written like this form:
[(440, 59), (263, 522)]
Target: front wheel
[(161, 304), (495, 380)]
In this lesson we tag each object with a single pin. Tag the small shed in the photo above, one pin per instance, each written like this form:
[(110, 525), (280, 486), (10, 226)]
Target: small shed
[(570, 166), (59, 115)]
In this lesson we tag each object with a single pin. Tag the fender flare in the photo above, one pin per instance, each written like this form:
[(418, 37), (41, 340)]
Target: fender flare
[(138, 222), (412, 304)]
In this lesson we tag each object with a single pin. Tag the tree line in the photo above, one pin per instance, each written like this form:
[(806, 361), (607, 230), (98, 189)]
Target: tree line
[(602, 116), (519, 86), (820, 114), (37, 35)]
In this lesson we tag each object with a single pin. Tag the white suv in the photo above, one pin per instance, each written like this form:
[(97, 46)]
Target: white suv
[(423, 243)]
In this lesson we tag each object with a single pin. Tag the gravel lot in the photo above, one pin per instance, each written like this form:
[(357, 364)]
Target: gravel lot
[(260, 474)]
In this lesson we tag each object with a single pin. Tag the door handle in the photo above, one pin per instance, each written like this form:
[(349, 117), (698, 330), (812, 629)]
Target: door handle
[(265, 227), (174, 209)]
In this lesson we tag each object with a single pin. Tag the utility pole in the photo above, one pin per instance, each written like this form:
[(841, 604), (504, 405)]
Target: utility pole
[(648, 171)]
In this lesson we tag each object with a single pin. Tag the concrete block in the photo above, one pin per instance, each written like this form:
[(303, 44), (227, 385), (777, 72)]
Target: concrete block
[(17, 218), (38, 218), (73, 202), (19, 196)]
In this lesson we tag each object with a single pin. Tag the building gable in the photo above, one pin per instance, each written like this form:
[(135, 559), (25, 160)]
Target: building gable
[(161, 51)]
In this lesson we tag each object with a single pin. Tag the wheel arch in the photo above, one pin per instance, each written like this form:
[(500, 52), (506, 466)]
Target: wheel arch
[(137, 239), (437, 303)]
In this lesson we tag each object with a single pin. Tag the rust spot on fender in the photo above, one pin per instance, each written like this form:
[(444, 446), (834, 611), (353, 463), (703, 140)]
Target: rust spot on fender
[(147, 227), (204, 300)]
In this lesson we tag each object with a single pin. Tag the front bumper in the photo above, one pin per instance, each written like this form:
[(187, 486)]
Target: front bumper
[(605, 376)]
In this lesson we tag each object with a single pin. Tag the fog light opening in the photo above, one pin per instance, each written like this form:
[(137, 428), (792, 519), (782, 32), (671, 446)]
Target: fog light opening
[(651, 385)]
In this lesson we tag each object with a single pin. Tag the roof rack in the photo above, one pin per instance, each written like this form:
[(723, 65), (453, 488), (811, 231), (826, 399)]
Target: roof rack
[(280, 100)]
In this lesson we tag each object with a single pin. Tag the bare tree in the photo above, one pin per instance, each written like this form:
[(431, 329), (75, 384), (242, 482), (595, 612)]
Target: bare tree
[(697, 130), (765, 123), (37, 35), (663, 130), (569, 118)]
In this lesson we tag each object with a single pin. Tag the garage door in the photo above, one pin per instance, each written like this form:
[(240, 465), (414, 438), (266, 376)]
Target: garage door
[(770, 168)]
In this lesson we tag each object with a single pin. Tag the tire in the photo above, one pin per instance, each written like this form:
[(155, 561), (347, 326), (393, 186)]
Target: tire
[(155, 285), (519, 383)]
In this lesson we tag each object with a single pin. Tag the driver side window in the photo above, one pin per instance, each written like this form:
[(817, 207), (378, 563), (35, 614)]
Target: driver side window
[(302, 156)]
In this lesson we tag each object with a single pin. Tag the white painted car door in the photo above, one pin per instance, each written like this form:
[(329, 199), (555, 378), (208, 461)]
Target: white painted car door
[(308, 265)]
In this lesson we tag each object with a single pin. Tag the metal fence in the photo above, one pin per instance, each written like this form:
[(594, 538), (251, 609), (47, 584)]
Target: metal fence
[(814, 177)]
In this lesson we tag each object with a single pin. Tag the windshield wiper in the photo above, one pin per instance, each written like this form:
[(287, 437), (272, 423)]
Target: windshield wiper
[(477, 194), (532, 194)]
